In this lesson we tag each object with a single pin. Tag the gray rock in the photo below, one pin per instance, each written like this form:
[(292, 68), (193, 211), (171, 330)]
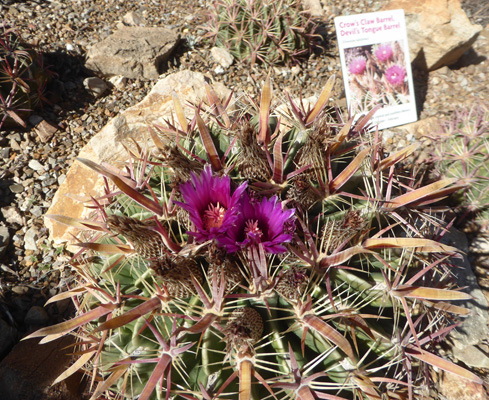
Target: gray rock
[(133, 19), (5, 153), (474, 330), (118, 81), (12, 215), (16, 188), (4, 240), (95, 86), (30, 239), (20, 289), (36, 165), (5, 268), (134, 52), (36, 211), (223, 57), (219, 70), (61, 179), (36, 316), (15, 146), (473, 356), (14, 137)]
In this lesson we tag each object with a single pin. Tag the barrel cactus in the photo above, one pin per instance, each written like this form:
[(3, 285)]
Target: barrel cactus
[(460, 150), (267, 253), (23, 78), (262, 31)]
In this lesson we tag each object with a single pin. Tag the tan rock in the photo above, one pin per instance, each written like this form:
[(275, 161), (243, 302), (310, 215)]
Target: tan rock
[(439, 31), (222, 56), (80, 181), (45, 131), (133, 51), (29, 370), (156, 107), (313, 7), (452, 387), (133, 19), (398, 138), (107, 145), (422, 127)]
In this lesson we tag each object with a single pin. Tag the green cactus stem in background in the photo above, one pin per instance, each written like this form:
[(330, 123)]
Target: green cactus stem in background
[(261, 31)]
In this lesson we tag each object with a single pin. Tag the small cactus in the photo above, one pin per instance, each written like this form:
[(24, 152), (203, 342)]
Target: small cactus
[(214, 282), (460, 150), (23, 78), (261, 31)]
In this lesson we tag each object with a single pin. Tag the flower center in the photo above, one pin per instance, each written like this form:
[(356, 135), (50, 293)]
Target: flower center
[(213, 216), (252, 230)]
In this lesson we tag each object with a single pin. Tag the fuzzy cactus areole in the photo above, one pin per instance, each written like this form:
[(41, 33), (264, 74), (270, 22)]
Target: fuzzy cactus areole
[(244, 258)]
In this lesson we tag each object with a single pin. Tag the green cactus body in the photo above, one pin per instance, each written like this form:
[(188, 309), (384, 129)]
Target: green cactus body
[(460, 150), (261, 31), (302, 294)]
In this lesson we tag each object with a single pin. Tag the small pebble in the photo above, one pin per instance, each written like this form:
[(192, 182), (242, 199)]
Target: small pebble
[(35, 165), (36, 316), (16, 188), (20, 289), (30, 239)]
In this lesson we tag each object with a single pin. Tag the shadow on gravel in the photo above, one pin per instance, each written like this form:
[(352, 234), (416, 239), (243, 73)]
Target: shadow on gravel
[(470, 57), (325, 42), (420, 81), (66, 90)]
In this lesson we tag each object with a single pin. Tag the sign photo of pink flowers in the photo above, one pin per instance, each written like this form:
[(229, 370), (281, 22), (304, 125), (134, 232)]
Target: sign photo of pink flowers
[(376, 68)]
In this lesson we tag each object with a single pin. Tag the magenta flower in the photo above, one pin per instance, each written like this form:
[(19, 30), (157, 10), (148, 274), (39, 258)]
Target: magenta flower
[(383, 52), (262, 222), (357, 65), (212, 208), (395, 75)]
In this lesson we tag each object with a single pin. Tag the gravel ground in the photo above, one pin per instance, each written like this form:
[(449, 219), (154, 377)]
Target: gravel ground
[(31, 171)]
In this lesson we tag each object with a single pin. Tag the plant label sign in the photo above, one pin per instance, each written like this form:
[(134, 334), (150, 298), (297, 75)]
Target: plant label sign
[(374, 56)]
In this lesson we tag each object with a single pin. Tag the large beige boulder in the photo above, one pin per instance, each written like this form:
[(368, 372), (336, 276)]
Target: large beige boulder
[(439, 31), (107, 145)]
